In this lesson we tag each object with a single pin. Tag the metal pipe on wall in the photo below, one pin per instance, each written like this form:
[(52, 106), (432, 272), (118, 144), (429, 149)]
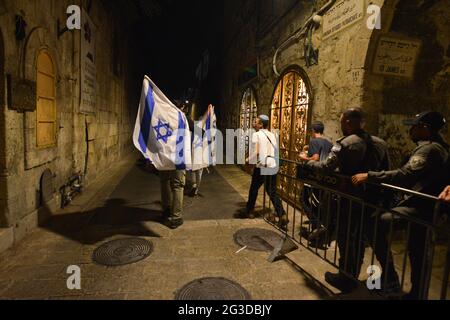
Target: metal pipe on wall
[(299, 33)]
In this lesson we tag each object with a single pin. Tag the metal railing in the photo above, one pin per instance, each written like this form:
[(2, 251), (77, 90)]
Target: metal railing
[(339, 223)]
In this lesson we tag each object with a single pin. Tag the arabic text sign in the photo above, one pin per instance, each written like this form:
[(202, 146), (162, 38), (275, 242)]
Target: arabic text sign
[(341, 15), (88, 65), (396, 56)]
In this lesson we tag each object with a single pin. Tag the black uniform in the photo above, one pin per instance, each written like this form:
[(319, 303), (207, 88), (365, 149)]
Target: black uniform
[(352, 155), (427, 171)]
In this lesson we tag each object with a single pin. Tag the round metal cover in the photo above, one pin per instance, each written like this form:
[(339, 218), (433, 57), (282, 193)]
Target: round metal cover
[(257, 239), (122, 252), (212, 289)]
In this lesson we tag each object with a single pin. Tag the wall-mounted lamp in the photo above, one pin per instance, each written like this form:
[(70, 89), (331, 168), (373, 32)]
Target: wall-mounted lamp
[(317, 20)]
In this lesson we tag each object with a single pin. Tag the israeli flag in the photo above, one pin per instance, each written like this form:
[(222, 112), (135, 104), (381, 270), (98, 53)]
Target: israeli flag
[(205, 146), (161, 132)]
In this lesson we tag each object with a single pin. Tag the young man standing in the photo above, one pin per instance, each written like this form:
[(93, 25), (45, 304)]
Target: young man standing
[(263, 154), (319, 150), (319, 146)]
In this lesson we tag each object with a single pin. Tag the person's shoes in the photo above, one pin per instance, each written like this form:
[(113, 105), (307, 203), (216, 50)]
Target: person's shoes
[(175, 224), (271, 218), (319, 238), (341, 282), (317, 234), (252, 214), (284, 222), (304, 232), (246, 214), (194, 192), (392, 287)]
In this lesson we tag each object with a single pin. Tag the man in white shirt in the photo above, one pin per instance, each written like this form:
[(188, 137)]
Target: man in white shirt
[(264, 154)]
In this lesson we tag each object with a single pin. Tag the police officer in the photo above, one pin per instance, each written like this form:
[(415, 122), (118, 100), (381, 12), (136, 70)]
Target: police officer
[(355, 151), (426, 172)]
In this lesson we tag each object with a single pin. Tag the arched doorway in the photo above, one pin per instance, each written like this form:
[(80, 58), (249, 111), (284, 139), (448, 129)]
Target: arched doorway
[(248, 113), (290, 114), (46, 101)]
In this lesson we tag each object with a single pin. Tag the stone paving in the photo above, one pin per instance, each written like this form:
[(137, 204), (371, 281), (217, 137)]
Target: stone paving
[(126, 203)]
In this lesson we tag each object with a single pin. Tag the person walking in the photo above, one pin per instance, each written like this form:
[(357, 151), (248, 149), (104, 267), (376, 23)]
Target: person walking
[(263, 153)]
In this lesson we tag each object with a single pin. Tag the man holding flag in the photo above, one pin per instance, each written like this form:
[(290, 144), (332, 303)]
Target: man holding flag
[(162, 135), (203, 147)]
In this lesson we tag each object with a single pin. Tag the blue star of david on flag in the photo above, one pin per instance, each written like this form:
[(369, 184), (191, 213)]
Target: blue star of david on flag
[(198, 144), (163, 131)]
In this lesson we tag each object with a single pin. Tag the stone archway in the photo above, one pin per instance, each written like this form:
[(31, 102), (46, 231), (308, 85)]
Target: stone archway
[(290, 114)]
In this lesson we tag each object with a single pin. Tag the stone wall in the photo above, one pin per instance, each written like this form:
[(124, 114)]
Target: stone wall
[(87, 143), (429, 89), (337, 80), (343, 76)]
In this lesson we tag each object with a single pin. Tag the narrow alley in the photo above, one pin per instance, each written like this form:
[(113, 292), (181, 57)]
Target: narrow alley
[(251, 150), (127, 204)]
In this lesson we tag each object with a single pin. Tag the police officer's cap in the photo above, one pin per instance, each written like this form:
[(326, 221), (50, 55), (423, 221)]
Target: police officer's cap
[(434, 120)]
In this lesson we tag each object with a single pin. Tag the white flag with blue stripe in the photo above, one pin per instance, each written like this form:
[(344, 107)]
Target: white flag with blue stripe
[(205, 146), (161, 132)]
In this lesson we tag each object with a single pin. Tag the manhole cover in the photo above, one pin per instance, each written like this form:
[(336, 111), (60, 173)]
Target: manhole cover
[(257, 239), (212, 289), (122, 252)]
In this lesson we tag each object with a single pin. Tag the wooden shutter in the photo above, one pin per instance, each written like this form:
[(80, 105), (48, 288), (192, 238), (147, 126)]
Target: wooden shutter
[(46, 102)]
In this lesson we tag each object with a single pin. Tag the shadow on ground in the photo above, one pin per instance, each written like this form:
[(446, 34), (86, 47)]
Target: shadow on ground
[(311, 282), (136, 200), (114, 218)]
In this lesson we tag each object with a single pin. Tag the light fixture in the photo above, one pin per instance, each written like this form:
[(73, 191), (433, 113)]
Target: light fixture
[(317, 20)]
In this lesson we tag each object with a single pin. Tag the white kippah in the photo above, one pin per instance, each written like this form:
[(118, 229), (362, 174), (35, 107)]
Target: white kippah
[(264, 118)]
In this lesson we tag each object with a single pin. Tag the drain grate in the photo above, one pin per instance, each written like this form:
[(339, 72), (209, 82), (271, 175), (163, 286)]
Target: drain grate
[(257, 239), (213, 289), (122, 252)]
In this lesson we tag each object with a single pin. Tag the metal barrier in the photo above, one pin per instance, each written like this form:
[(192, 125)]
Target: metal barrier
[(338, 222)]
